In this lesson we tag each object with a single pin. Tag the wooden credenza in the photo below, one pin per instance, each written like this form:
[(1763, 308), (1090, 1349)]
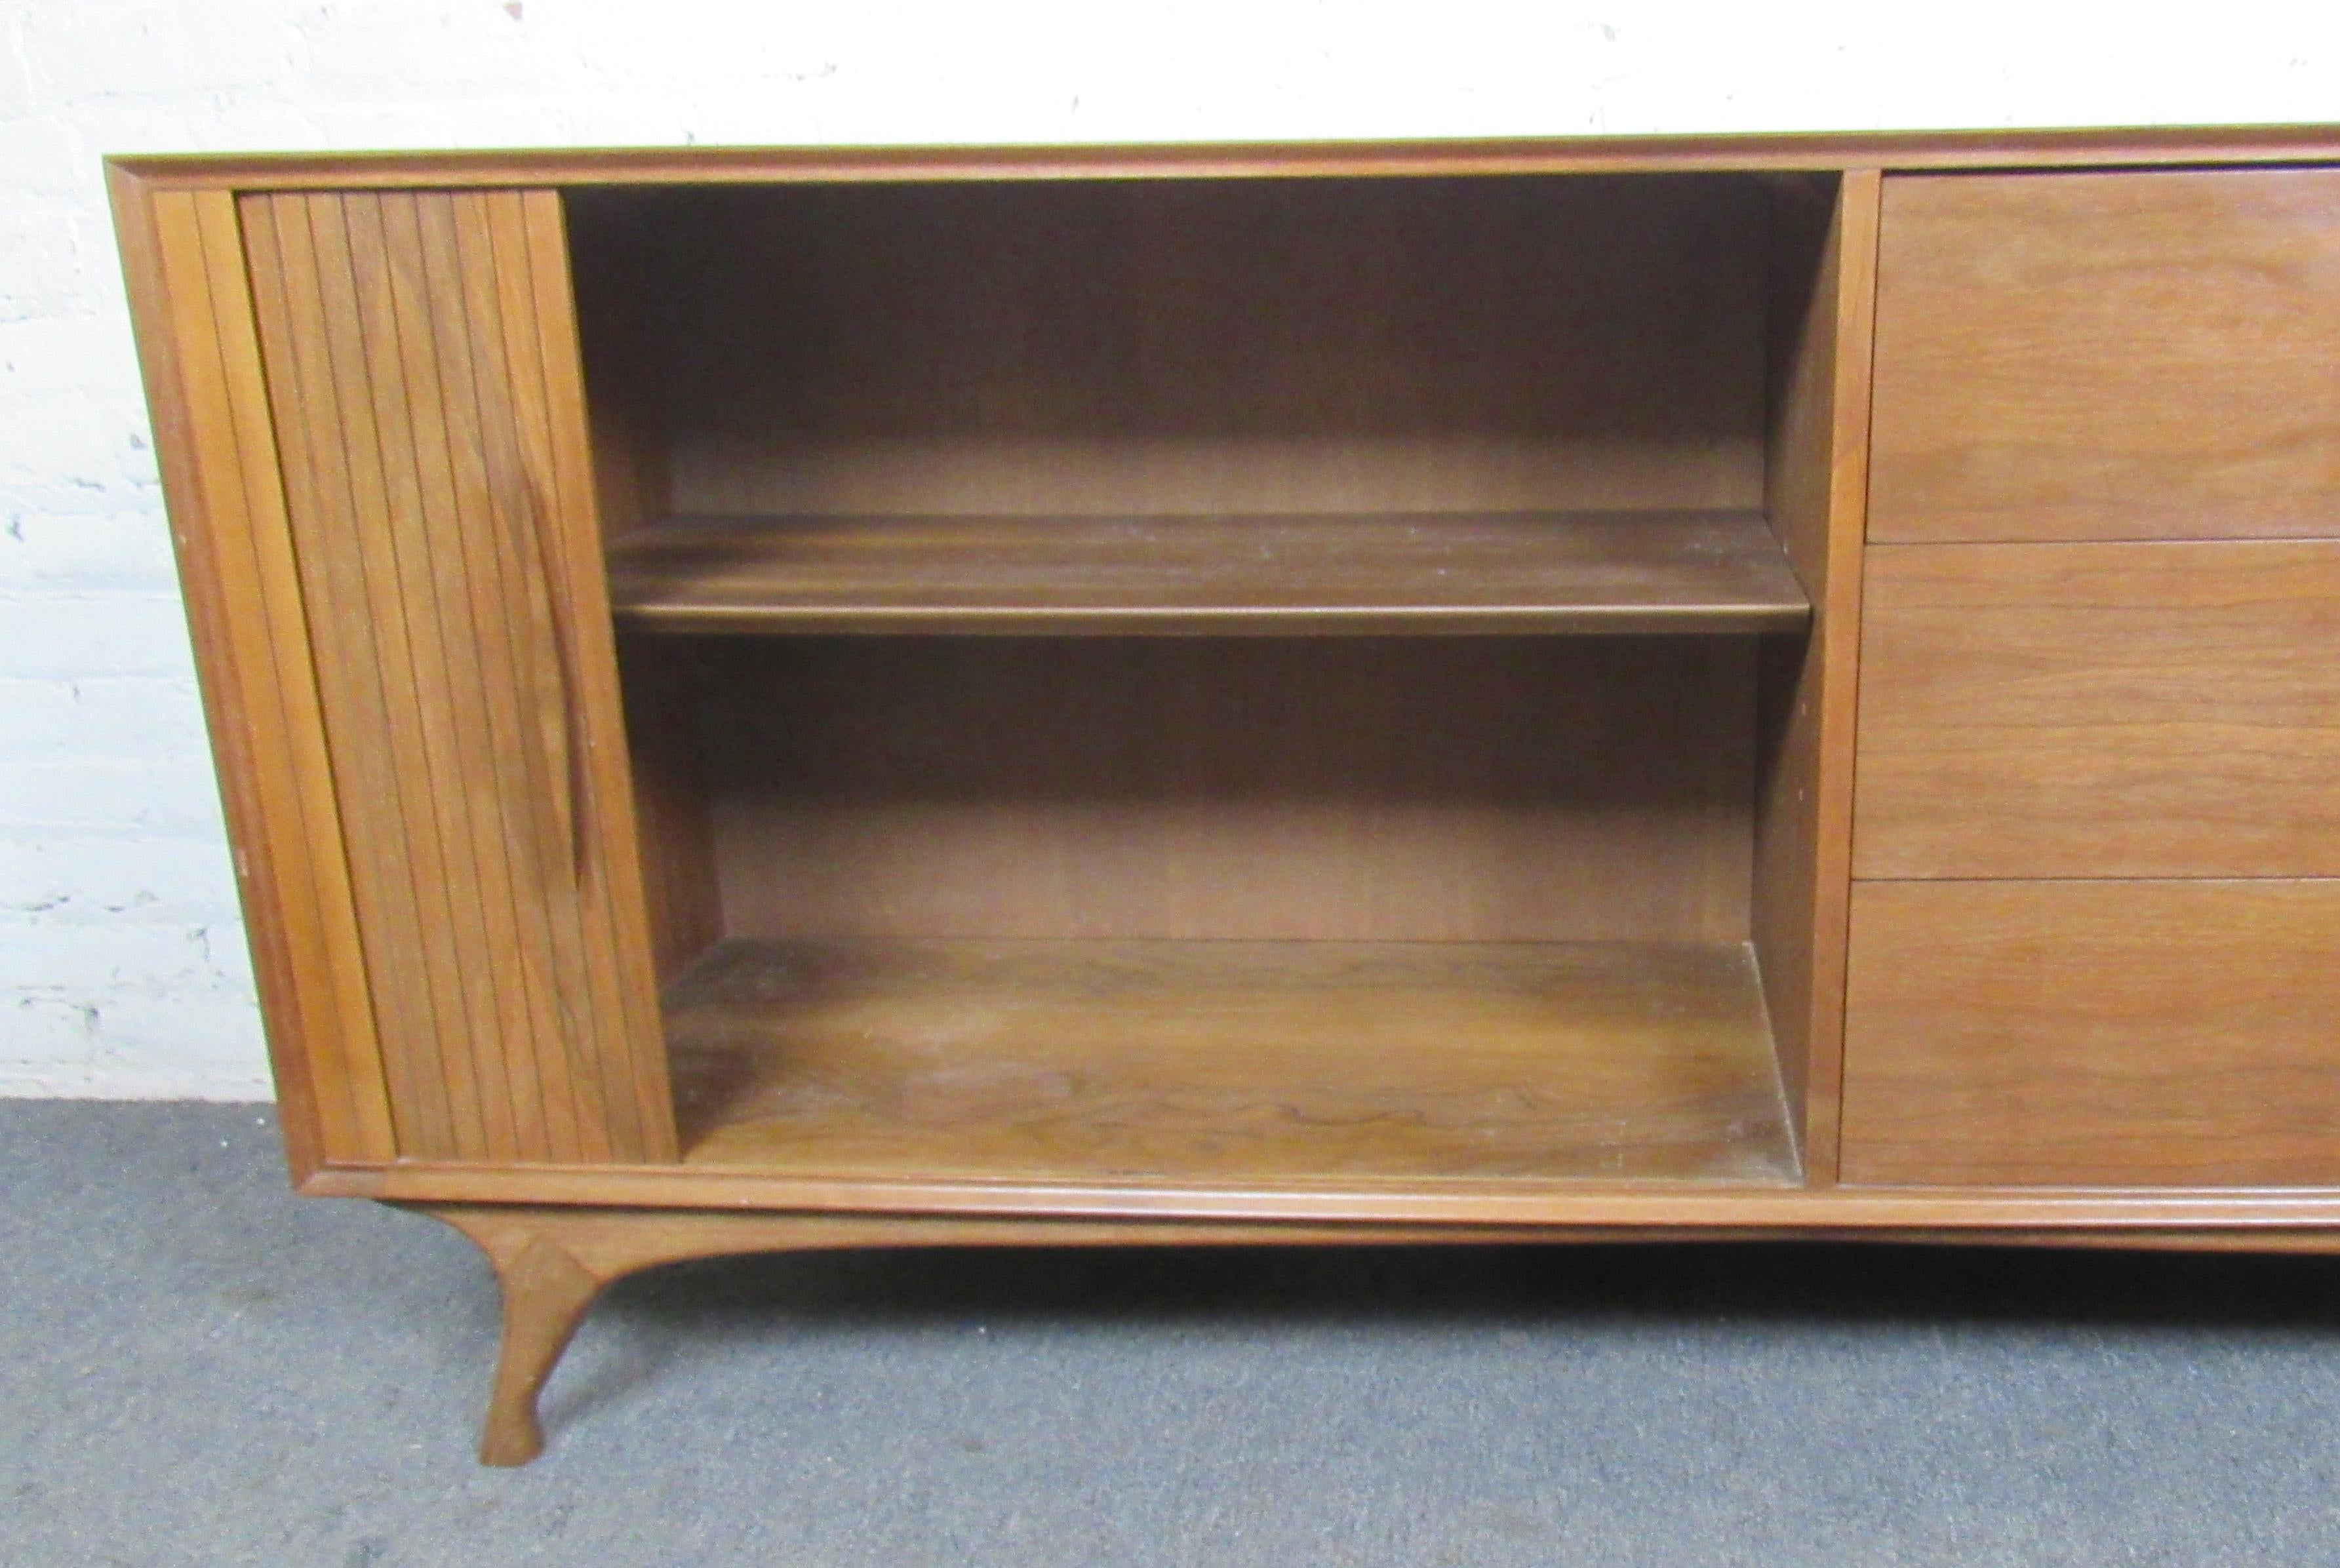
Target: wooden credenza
[(1610, 689)]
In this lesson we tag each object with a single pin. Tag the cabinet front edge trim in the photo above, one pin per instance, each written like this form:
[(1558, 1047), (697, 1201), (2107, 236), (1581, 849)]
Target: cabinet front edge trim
[(1841, 1208), (1974, 151)]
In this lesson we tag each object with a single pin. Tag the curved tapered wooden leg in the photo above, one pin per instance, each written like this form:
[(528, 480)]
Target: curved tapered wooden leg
[(546, 1290), (545, 1293)]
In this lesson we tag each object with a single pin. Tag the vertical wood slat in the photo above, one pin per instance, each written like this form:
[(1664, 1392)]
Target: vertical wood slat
[(508, 848), (195, 316), (422, 359), (341, 432), (453, 949), (543, 839)]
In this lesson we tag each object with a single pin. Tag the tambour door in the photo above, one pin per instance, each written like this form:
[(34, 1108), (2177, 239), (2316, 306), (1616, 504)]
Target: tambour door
[(394, 572)]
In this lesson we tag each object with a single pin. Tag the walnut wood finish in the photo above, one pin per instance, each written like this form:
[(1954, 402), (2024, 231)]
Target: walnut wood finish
[(1823, 259), (1295, 789), (2163, 709), (434, 483), (183, 260), (2107, 1034), (369, 373), (1605, 572), (1230, 1061), (2108, 356)]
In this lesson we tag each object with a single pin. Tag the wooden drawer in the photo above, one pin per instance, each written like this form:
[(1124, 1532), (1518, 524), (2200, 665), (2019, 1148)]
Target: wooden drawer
[(2155, 709), (2094, 1033), (2108, 356)]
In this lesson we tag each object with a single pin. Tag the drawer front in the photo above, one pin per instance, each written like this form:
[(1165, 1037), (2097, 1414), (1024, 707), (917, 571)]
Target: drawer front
[(2108, 356), (2155, 1034), (2155, 709)]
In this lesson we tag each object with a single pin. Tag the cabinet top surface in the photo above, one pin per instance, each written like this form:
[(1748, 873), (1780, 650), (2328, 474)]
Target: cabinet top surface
[(1807, 150)]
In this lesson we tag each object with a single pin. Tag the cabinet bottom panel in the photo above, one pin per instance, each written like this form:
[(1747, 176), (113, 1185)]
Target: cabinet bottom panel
[(1228, 1061)]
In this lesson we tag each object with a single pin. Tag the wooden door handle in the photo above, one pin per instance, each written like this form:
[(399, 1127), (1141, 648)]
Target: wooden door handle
[(556, 728)]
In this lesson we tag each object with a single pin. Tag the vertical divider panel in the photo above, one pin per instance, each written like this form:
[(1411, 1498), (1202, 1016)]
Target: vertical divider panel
[(185, 266), (1816, 496), (421, 360)]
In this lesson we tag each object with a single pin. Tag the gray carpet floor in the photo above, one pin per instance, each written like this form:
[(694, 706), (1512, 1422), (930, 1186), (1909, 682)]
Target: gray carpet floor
[(197, 1368)]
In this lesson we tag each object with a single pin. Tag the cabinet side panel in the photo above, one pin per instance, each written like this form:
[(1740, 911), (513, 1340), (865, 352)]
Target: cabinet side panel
[(1816, 493), (672, 822), (618, 284), (185, 263), (409, 371)]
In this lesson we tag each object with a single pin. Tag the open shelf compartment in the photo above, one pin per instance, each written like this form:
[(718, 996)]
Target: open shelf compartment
[(1437, 843), (1242, 1061)]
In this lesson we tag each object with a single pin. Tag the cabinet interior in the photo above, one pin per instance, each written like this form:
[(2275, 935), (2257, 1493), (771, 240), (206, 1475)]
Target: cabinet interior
[(1213, 680)]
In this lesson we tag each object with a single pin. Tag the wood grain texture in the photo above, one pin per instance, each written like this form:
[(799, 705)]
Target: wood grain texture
[(1129, 348), (1331, 788), (2109, 356), (420, 417), (1824, 259), (2159, 709), (2115, 1033), (1232, 1060), (1604, 572), (1825, 152), (183, 261)]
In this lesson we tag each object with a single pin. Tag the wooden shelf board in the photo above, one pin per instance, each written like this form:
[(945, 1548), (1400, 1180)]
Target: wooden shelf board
[(1230, 1061), (1655, 572)]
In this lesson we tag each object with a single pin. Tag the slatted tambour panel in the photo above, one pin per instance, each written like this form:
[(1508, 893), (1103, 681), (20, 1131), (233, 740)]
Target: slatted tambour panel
[(227, 517), (422, 367)]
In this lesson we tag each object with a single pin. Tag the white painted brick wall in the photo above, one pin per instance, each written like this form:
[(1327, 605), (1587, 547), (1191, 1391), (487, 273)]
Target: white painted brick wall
[(121, 963)]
